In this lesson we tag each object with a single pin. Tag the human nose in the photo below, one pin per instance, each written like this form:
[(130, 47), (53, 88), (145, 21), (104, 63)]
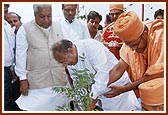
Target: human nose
[(94, 23), (115, 15), (13, 23), (70, 11), (46, 19)]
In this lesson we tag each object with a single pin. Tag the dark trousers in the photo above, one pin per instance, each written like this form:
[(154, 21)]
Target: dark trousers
[(16, 89), (9, 102)]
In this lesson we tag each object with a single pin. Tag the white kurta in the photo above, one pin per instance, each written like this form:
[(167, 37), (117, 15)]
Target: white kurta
[(77, 30), (99, 60), (98, 36), (9, 42)]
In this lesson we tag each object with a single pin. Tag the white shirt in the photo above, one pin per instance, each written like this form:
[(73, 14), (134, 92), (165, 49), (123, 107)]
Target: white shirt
[(9, 43), (77, 30), (98, 36), (21, 50), (99, 60)]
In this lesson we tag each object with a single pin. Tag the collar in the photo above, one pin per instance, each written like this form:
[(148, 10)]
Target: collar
[(46, 29), (69, 21)]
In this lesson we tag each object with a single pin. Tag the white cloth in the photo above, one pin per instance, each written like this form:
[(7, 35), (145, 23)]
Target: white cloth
[(77, 30), (45, 99), (99, 60), (9, 43), (98, 36)]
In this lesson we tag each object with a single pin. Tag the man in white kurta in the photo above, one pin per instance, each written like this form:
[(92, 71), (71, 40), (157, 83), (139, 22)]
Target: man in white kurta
[(77, 30), (100, 63), (35, 65), (73, 29), (93, 23), (9, 43)]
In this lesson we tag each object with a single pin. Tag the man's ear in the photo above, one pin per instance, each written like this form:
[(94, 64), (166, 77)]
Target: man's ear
[(34, 14), (145, 34), (70, 50)]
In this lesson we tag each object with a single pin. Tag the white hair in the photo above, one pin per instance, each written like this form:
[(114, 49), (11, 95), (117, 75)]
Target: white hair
[(36, 6)]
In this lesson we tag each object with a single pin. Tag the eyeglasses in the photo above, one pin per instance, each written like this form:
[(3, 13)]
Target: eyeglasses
[(136, 45), (65, 62), (115, 14)]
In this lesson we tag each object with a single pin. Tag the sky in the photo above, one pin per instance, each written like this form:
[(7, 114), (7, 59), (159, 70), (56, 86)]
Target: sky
[(25, 9)]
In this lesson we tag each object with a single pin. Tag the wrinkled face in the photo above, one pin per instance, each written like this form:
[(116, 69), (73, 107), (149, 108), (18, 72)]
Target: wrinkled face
[(13, 20), (115, 14), (93, 24), (44, 17), (69, 58), (69, 11)]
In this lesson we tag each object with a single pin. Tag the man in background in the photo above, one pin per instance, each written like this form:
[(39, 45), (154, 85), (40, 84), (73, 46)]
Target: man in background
[(15, 21), (73, 28), (159, 14), (93, 20), (6, 7), (9, 44), (111, 40)]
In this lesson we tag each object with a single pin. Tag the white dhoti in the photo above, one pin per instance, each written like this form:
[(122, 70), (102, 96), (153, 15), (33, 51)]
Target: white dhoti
[(45, 99)]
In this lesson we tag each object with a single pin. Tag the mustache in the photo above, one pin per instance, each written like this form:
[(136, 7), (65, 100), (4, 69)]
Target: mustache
[(70, 15), (93, 26)]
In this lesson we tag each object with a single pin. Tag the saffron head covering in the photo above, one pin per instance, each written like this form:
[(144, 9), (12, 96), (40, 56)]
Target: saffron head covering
[(152, 91), (116, 6), (128, 26)]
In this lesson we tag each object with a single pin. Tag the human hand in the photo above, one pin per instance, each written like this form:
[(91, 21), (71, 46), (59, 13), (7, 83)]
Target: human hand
[(93, 104), (91, 107), (24, 85), (115, 90)]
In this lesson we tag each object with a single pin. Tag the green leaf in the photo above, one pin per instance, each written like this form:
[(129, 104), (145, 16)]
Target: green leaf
[(80, 93)]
